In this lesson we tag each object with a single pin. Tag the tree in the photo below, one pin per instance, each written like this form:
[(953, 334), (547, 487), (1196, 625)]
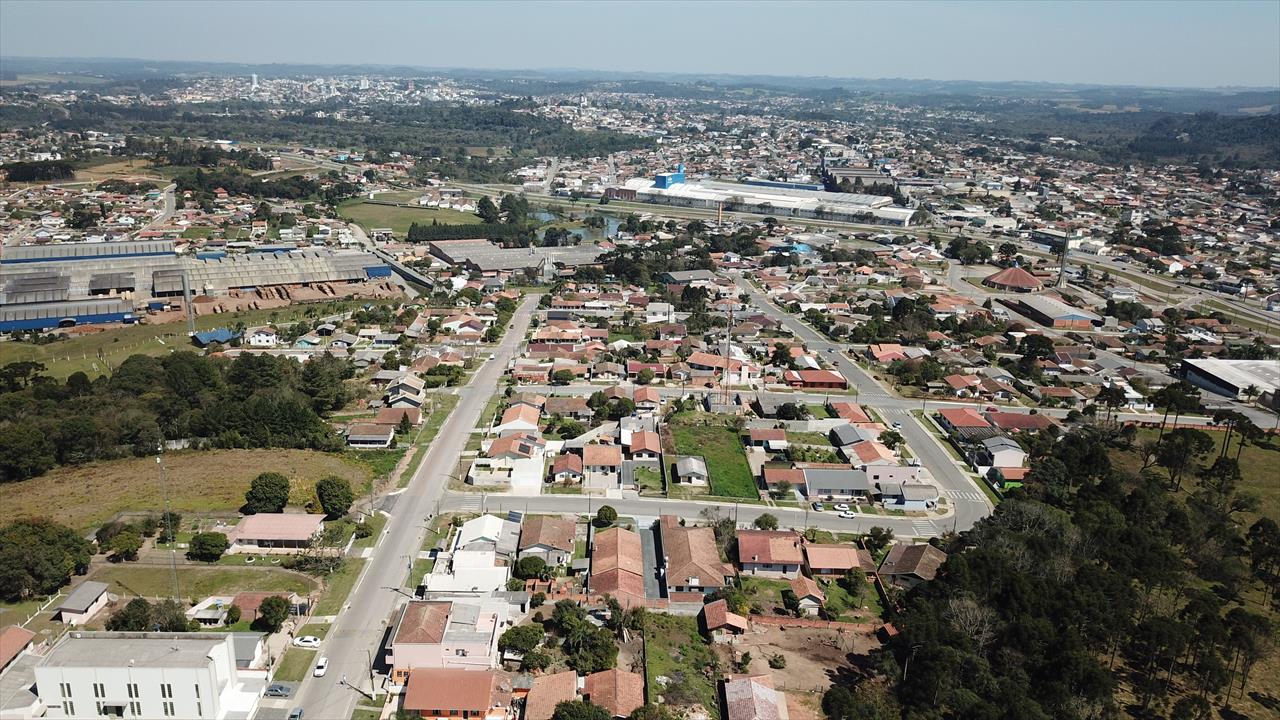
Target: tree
[(38, 556), (535, 660), (644, 377), (126, 543), (521, 639), (878, 538), (781, 356), (133, 617), (272, 613), (1179, 450), (530, 567), (562, 377), (207, 546), (566, 616), (792, 411), (766, 521), (790, 601), (335, 495), (1112, 397), (651, 712), (590, 649), (580, 710), (268, 493), (891, 439), (487, 211), (605, 516), (233, 615), (25, 451), (169, 616)]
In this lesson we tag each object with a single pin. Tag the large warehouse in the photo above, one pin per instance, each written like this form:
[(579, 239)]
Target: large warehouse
[(67, 284), (1236, 378), (674, 189), (485, 256)]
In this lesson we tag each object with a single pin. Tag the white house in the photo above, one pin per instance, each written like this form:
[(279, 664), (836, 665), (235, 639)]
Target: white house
[(152, 675), (264, 338), (84, 602)]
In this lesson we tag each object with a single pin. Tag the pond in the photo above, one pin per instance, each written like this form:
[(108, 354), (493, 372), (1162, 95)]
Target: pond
[(589, 235)]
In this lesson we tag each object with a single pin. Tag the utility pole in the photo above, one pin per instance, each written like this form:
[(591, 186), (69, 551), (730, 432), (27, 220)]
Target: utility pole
[(173, 532)]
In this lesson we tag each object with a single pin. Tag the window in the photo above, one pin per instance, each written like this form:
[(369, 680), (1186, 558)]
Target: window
[(197, 689), (99, 692), (133, 690), (135, 708), (168, 709), (65, 688), (199, 710), (166, 690), (68, 707), (100, 709)]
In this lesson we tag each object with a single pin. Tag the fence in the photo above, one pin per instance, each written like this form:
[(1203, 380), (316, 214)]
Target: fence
[(783, 621)]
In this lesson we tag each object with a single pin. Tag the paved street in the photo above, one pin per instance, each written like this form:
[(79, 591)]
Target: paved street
[(355, 635)]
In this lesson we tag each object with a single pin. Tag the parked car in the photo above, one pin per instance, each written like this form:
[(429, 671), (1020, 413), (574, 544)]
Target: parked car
[(819, 507), (840, 506), (848, 515), (278, 691), (322, 666), (295, 714), (306, 641)]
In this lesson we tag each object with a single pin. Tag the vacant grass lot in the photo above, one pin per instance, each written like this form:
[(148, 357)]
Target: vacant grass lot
[(198, 582), (370, 215), (677, 651), (338, 586), (83, 497), (720, 445), (295, 665)]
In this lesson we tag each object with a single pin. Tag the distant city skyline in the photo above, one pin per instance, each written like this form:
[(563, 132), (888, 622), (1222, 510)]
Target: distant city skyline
[(1170, 44)]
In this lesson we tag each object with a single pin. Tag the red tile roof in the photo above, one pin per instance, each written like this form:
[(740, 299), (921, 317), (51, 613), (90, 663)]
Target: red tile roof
[(547, 692), (617, 691), (453, 689), (422, 622), (769, 547), (13, 640)]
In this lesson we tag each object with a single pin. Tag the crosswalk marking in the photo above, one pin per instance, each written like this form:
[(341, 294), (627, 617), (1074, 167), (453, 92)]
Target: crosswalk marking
[(968, 495), (470, 503), (921, 527)]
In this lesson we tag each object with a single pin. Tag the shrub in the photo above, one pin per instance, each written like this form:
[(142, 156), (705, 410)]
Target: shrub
[(207, 546), (605, 516), (268, 493), (335, 495)]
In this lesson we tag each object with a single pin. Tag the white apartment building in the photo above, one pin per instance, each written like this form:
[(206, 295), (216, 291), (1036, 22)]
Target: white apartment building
[(149, 675)]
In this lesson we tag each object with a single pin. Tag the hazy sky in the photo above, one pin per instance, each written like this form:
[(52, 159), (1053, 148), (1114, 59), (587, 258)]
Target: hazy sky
[(1133, 43)]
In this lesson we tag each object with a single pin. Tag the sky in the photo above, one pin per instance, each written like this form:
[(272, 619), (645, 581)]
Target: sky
[(1167, 44)]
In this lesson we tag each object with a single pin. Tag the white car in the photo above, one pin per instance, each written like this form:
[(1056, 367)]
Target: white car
[(848, 515), (840, 506), (897, 425), (306, 641), (322, 666)]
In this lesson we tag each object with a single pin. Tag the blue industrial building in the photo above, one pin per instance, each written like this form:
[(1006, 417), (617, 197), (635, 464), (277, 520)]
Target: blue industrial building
[(44, 316), (666, 180)]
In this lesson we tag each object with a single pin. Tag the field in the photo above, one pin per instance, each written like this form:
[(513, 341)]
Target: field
[(96, 353), (198, 582), (721, 447), (85, 496), (674, 649), (369, 215), (338, 586), (124, 168)]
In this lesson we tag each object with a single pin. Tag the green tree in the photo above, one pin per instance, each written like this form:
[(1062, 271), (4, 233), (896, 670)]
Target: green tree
[(562, 377), (1179, 450), (567, 615), (487, 211), (521, 639), (530, 567), (590, 649), (133, 617), (126, 543), (268, 493), (605, 516), (766, 521), (233, 615), (25, 451), (580, 710), (207, 546), (38, 556), (335, 495), (168, 616), (644, 377), (272, 613)]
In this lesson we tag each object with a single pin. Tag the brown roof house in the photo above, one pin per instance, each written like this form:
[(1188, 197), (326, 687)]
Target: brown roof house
[(547, 692), (274, 532), (720, 624), (617, 565), (617, 691), (770, 553), (836, 560), (691, 558), (752, 697), (550, 537), (447, 693), (910, 565)]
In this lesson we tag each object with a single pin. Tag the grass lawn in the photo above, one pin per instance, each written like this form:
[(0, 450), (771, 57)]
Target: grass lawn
[(295, 665), (808, 438), (558, 489), (198, 582), (765, 592), (676, 650), (819, 412), (721, 447), (839, 602), (84, 496), (421, 568), (579, 549), (649, 479), (319, 630), (361, 713), (14, 613), (370, 215), (379, 463), (375, 523), (338, 586)]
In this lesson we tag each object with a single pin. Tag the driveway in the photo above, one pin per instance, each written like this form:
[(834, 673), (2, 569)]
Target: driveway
[(648, 545)]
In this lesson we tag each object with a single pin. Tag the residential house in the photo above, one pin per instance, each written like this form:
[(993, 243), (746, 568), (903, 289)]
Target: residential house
[(448, 693), (837, 483), (369, 435), (274, 532), (815, 379), (692, 471), (567, 468), (519, 418), (691, 558), (602, 459), (770, 553), (910, 565), (720, 624), (644, 445), (835, 561), (617, 691), (446, 634), (547, 692), (394, 416), (809, 594), (550, 537), (617, 565), (771, 439), (752, 697)]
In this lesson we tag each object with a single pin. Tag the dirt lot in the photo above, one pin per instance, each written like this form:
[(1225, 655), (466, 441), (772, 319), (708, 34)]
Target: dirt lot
[(814, 656)]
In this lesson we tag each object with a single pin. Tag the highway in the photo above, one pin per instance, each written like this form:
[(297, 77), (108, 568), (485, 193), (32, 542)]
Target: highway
[(359, 627)]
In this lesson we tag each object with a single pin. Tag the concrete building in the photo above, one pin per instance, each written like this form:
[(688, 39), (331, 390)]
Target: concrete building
[(446, 634), (84, 602), (149, 675)]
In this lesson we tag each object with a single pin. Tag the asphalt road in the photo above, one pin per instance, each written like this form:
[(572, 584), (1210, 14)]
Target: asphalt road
[(359, 627), (970, 503)]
